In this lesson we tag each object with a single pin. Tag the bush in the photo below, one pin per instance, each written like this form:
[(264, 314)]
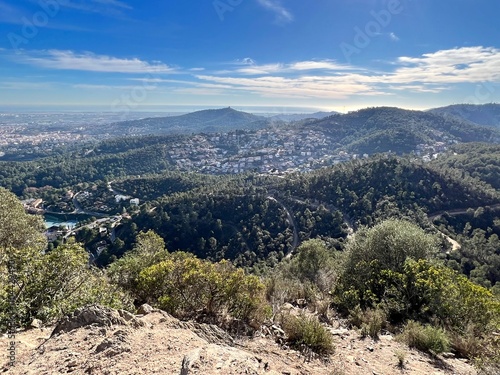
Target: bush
[(425, 338), (468, 345), (188, 287), (373, 252), (307, 333), (369, 321), (374, 321)]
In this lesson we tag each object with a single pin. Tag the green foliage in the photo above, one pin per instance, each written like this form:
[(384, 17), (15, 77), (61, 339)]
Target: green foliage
[(35, 283), (18, 230), (306, 332), (375, 251), (373, 322), (425, 338), (149, 250), (370, 321), (452, 298), (401, 356), (188, 287)]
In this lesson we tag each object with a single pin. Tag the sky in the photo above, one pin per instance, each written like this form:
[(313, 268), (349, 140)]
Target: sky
[(126, 55)]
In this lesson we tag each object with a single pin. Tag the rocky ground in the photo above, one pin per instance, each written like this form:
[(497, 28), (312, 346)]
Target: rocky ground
[(98, 340)]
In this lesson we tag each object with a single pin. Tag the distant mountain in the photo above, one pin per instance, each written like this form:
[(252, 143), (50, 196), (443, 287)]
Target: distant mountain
[(302, 116), (206, 121), (384, 129), (486, 114)]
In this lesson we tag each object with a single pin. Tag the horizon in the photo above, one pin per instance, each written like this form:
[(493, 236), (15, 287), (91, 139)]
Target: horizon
[(185, 109), (340, 56)]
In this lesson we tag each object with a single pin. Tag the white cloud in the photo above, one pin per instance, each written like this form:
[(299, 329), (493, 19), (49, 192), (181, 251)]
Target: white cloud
[(245, 61), (325, 79), (334, 87), (458, 65), (11, 85), (87, 61), (252, 68), (85, 86), (281, 13)]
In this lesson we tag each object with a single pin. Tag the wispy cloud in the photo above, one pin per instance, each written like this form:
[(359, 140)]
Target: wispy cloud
[(85, 86), (458, 65), (16, 85), (429, 73), (87, 61), (394, 37), (104, 7), (282, 14), (250, 67)]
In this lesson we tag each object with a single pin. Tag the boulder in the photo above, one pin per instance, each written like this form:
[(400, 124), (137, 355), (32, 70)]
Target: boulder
[(90, 315)]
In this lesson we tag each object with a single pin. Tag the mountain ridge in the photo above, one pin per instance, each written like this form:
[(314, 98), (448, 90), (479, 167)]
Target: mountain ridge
[(481, 114)]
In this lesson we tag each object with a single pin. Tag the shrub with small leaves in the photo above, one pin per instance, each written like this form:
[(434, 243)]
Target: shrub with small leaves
[(307, 332), (425, 338)]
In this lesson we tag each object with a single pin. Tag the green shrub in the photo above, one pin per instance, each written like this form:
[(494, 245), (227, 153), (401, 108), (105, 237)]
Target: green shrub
[(373, 322), (188, 287), (307, 332), (369, 321), (469, 344), (401, 356), (425, 338)]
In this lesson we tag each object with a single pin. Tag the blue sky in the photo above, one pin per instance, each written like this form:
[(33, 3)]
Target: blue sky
[(327, 54)]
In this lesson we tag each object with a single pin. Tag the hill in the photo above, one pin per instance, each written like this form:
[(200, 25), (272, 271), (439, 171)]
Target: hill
[(206, 121), (478, 160), (302, 116), (374, 130), (250, 219), (485, 114)]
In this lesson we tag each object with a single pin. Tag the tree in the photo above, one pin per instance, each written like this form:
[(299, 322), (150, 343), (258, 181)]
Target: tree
[(384, 247), (148, 250), (45, 285), (313, 256)]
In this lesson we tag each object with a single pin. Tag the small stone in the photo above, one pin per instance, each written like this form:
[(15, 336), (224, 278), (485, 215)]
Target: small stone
[(145, 309), (36, 323), (339, 332), (448, 355), (370, 348)]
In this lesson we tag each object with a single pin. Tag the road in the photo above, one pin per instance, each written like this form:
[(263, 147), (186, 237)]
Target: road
[(291, 221), (459, 211)]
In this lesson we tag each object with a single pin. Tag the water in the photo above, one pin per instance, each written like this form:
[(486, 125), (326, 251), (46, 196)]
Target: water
[(69, 221)]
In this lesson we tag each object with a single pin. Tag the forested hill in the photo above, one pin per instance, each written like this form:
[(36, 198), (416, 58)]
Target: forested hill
[(485, 114), (477, 160), (246, 218), (211, 120), (383, 129)]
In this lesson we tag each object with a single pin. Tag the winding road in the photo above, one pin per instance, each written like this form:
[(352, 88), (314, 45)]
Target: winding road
[(292, 222), (459, 211)]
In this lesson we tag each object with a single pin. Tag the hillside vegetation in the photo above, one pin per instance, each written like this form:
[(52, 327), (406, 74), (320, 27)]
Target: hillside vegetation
[(386, 276), (485, 114)]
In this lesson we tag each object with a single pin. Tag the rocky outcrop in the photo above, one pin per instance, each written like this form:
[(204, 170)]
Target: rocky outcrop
[(98, 316), (97, 340)]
